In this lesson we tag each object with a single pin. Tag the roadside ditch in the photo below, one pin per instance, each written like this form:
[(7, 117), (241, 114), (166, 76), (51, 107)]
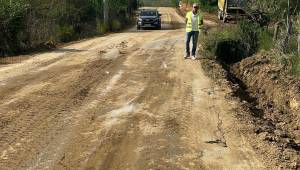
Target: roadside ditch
[(269, 104)]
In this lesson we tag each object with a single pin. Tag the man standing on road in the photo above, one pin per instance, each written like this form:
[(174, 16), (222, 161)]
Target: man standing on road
[(194, 22)]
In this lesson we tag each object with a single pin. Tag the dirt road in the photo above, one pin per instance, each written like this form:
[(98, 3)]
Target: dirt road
[(122, 101)]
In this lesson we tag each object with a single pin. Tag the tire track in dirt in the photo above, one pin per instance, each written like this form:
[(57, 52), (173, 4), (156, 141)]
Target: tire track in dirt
[(78, 91), (136, 73), (147, 108), (42, 68), (82, 119), (30, 122)]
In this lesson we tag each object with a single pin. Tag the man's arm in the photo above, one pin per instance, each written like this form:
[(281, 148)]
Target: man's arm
[(201, 19), (186, 18)]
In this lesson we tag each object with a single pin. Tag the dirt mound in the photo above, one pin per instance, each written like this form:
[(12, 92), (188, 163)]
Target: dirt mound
[(269, 105), (278, 93)]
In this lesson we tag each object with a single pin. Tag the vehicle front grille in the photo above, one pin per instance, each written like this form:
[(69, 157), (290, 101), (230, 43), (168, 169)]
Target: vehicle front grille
[(148, 20)]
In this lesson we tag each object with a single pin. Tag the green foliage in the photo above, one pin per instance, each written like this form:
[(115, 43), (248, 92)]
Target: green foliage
[(292, 45), (116, 25), (158, 3), (265, 39), (224, 44), (210, 6), (26, 24), (248, 32), (275, 8), (66, 33), (12, 24), (101, 27), (295, 61), (235, 43)]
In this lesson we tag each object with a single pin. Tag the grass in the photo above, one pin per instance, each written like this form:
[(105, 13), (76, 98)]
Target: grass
[(265, 38), (223, 44), (295, 61), (232, 44), (209, 8)]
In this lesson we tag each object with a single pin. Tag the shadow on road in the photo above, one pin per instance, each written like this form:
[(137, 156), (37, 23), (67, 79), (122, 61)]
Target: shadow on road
[(67, 50)]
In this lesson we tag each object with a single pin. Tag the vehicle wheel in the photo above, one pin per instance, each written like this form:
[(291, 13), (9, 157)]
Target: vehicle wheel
[(138, 27), (159, 27), (224, 19)]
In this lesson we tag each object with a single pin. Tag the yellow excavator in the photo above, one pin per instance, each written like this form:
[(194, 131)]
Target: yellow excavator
[(237, 10), (232, 9)]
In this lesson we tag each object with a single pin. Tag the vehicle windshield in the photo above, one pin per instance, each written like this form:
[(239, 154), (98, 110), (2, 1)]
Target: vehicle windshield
[(148, 13), (236, 11), (236, 3)]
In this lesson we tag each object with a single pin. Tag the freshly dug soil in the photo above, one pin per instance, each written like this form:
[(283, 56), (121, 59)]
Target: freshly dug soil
[(269, 105), (278, 92)]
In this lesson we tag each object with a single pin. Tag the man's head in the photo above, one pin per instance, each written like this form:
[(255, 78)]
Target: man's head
[(195, 7)]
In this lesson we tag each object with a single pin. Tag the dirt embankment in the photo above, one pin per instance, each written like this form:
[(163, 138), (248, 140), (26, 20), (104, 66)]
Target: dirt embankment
[(277, 92), (269, 105)]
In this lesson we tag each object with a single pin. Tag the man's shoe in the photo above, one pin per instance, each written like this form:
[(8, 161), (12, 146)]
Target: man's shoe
[(193, 57), (186, 56)]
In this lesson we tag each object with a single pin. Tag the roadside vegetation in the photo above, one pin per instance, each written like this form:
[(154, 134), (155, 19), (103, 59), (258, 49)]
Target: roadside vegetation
[(210, 6), (280, 33), (239, 42), (159, 3), (33, 24), (259, 61)]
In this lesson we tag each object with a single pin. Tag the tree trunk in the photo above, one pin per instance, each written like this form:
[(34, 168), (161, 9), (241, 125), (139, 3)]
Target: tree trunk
[(105, 11)]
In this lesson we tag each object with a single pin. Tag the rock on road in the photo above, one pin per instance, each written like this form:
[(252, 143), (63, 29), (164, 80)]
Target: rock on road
[(123, 101)]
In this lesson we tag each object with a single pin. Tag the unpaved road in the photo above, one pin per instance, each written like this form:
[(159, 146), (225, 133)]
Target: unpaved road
[(122, 101)]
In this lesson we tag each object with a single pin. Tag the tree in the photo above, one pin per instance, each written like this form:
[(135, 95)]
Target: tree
[(26, 24), (105, 11)]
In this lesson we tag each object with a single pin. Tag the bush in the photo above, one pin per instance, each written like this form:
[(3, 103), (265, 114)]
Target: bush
[(265, 39), (158, 3), (210, 6), (12, 24), (292, 45), (234, 44), (116, 25), (66, 33), (101, 27), (248, 32), (27, 24), (225, 45), (296, 66)]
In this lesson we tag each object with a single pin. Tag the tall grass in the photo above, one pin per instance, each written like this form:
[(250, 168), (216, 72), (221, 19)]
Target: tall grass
[(232, 44), (265, 38), (295, 60)]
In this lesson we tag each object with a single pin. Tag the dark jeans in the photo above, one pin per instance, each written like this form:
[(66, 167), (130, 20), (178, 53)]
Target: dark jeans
[(194, 35)]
